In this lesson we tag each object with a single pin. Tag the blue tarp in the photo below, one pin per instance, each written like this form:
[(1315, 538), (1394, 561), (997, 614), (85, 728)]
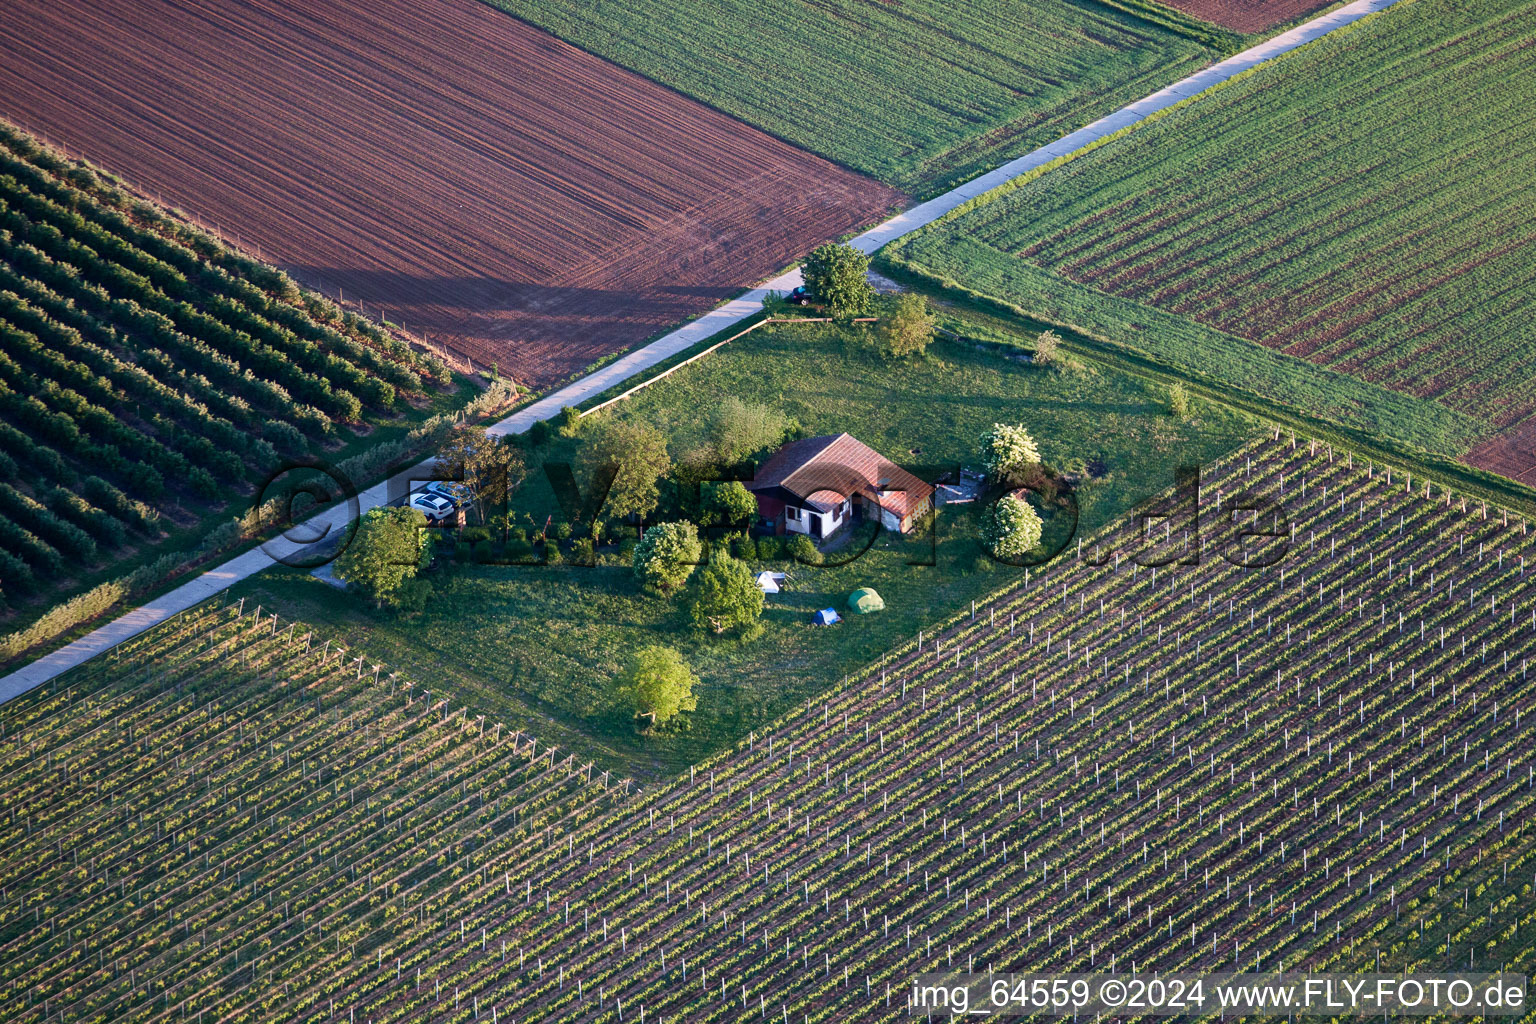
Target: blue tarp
[(827, 616)]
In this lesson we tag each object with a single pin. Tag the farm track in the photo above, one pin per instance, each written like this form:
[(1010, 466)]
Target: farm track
[(920, 817), (467, 175)]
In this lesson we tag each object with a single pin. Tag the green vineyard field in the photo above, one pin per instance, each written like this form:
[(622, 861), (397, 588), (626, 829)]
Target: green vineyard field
[(1362, 205), (1313, 759)]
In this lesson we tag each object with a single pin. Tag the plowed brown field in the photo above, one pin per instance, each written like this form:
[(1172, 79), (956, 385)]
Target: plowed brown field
[(1512, 453), (1247, 15), (508, 195)]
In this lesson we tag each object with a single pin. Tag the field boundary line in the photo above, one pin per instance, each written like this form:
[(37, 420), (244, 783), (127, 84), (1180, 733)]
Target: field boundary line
[(631, 364)]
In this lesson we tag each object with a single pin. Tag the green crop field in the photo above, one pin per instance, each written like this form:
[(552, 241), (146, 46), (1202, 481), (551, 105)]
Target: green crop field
[(1316, 761), (539, 646), (919, 94), (1348, 231), (151, 380)]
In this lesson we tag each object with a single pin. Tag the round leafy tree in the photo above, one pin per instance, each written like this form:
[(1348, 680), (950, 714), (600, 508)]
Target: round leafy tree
[(1011, 527), (731, 504), (838, 276), (907, 326), (666, 555), (658, 684), (1007, 450), (724, 595), (624, 461), (390, 547)]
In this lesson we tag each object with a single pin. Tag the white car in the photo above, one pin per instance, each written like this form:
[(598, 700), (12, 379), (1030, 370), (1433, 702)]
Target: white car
[(459, 494), (434, 506)]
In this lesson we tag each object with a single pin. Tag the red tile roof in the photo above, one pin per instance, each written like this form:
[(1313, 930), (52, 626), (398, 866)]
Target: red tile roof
[(845, 466)]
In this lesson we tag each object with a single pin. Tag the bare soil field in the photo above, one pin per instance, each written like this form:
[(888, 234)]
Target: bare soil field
[(501, 192), (1512, 453), (1247, 15)]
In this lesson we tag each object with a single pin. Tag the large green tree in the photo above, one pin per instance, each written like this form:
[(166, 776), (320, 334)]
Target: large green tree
[(724, 595), (667, 554), (636, 455), (838, 275), (391, 545), (657, 684), (906, 326)]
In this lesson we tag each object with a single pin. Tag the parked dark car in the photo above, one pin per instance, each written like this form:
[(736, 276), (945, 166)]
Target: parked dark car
[(801, 296)]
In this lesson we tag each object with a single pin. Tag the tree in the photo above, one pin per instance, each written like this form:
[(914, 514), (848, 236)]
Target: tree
[(490, 466), (731, 504), (1007, 451), (907, 327), (1011, 527), (1178, 400), (636, 453), (838, 276), (1045, 348), (658, 684), (737, 430), (389, 548), (666, 555), (724, 595)]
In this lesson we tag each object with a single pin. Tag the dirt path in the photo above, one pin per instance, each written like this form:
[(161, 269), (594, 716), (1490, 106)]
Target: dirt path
[(718, 319)]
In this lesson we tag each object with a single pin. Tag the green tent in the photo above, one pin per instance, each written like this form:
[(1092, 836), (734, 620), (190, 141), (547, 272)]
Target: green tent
[(865, 600)]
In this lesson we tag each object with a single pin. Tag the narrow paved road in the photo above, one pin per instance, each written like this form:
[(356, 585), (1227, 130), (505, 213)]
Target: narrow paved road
[(236, 569)]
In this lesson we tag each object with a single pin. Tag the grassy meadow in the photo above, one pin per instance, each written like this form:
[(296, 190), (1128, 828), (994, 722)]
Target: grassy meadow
[(538, 645)]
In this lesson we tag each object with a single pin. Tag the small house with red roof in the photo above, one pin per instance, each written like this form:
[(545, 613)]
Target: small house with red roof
[(817, 485)]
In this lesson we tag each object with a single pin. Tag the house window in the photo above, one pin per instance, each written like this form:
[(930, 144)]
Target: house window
[(791, 513)]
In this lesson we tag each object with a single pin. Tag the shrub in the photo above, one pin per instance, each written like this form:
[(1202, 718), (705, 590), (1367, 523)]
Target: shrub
[(802, 550), (737, 430), (222, 537), (1011, 527), (583, 551), (563, 530), (567, 421), (1007, 450), (285, 437), (744, 548), (1178, 400), (551, 552), (1046, 347), (147, 577)]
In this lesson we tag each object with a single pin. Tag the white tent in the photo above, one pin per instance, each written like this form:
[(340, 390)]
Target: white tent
[(768, 582)]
